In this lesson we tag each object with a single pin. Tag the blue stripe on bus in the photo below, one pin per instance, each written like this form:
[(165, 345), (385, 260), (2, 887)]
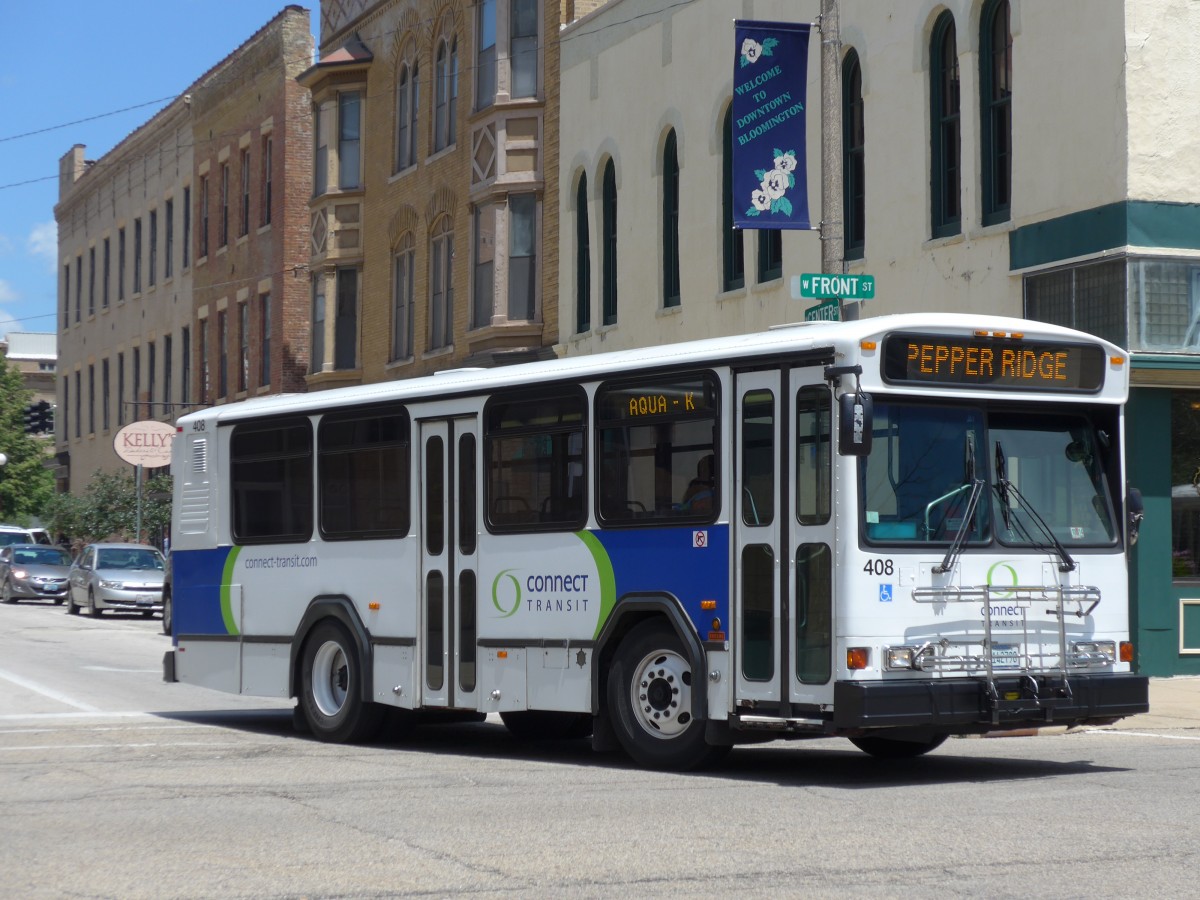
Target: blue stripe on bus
[(669, 560), (196, 578)]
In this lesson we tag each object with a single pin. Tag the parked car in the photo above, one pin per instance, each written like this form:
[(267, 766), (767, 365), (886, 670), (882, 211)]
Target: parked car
[(34, 572), (15, 534), (41, 536), (116, 576)]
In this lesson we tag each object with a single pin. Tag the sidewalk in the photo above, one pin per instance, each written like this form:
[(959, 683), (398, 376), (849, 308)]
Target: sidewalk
[(1174, 703)]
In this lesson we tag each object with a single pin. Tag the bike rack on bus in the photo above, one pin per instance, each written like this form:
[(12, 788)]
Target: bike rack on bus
[(1067, 602)]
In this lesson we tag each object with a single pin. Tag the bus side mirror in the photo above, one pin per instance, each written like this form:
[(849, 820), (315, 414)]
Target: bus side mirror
[(855, 421), (1136, 511)]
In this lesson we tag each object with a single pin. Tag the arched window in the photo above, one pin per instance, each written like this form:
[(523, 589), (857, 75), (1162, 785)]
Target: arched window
[(853, 171), (441, 285), (406, 116), (995, 109), (944, 142), (609, 274), (583, 260), (670, 222), (446, 96), (404, 261), (733, 248)]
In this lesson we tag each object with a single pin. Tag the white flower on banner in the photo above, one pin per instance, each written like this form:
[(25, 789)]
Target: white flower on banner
[(771, 195)]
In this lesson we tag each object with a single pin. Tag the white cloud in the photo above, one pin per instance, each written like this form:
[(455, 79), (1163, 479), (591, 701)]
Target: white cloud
[(43, 242), (7, 294), (5, 245)]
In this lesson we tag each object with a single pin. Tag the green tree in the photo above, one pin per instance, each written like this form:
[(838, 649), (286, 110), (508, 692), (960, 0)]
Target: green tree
[(107, 509), (25, 483)]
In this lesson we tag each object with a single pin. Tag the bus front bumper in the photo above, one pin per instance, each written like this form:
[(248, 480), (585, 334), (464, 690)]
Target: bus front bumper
[(966, 705)]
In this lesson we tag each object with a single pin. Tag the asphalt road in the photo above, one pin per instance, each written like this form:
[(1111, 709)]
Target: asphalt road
[(113, 784)]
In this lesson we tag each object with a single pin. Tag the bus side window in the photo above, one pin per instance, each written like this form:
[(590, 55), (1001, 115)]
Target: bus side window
[(533, 458), (656, 445)]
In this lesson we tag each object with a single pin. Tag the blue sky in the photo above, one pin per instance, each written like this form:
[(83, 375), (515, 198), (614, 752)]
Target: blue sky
[(78, 59)]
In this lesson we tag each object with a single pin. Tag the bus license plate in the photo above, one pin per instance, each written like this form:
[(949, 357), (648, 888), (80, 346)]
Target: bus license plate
[(1006, 656)]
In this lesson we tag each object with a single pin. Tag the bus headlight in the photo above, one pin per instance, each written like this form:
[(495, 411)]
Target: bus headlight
[(917, 658), (898, 657), (1096, 651)]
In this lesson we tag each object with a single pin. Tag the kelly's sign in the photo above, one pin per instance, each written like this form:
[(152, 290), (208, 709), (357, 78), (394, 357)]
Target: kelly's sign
[(770, 79), (146, 443)]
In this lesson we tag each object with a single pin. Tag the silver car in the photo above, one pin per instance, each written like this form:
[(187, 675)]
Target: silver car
[(116, 576), (33, 572)]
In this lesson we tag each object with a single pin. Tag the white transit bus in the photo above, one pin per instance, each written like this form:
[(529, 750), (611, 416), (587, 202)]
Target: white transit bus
[(892, 530)]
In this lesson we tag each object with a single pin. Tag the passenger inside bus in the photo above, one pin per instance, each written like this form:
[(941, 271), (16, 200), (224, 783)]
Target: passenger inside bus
[(699, 494)]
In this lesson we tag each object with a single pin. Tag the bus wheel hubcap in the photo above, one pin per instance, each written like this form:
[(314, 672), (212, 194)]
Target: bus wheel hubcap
[(330, 678), (661, 694)]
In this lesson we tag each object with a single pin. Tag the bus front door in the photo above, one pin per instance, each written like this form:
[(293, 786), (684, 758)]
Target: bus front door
[(449, 485), (783, 542)]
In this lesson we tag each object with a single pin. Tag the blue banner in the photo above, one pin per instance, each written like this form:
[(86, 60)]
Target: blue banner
[(770, 83)]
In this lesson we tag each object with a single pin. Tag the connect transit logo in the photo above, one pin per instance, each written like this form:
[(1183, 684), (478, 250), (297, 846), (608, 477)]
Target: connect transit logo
[(1003, 565), (506, 610)]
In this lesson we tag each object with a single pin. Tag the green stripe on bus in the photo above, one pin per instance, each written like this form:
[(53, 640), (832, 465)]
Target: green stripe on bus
[(226, 584), (608, 581)]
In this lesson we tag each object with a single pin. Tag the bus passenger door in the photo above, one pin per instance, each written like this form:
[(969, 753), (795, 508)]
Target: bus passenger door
[(783, 615), (449, 528), (810, 549), (757, 545)]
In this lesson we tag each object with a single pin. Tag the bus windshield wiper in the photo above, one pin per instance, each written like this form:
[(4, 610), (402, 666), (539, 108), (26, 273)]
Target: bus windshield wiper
[(960, 536), (1005, 488)]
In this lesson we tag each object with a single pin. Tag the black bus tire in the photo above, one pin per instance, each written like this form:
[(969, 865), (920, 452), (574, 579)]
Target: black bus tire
[(649, 701), (331, 678), (891, 748)]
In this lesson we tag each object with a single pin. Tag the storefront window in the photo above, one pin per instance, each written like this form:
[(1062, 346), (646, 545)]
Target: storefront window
[(1185, 484)]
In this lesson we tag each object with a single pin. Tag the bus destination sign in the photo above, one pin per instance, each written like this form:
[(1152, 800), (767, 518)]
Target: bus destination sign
[(982, 362)]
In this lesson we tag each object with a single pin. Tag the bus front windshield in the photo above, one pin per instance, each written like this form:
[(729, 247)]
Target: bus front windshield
[(1041, 473)]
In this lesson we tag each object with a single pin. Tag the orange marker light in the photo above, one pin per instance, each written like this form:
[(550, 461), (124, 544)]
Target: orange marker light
[(867, 345), (858, 657), (373, 606), (1126, 653), (501, 654), (708, 604), (1117, 360)]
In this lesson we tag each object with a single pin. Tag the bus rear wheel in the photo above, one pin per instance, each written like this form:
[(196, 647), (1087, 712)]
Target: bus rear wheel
[(891, 748), (331, 678), (650, 701)]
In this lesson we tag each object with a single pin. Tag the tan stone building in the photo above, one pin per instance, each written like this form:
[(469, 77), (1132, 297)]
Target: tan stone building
[(434, 215), (138, 241)]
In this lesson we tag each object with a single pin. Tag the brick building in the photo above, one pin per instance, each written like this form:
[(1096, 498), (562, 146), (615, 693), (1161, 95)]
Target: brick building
[(434, 216), (253, 167), (145, 280)]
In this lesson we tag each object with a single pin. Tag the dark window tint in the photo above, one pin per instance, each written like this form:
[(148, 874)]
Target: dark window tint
[(272, 491), (657, 450), (363, 474), (535, 462)]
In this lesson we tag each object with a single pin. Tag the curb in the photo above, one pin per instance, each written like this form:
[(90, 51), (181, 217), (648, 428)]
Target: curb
[(1022, 732)]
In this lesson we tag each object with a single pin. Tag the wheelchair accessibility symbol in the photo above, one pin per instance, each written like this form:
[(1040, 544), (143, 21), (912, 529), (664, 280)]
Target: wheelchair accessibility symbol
[(885, 593)]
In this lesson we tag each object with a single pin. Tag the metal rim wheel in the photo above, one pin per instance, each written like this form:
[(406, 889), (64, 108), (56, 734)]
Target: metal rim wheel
[(6, 593), (331, 687), (72, 609), (660, 694), (93, 610), (166, 614), (650, 701), (330, 678)]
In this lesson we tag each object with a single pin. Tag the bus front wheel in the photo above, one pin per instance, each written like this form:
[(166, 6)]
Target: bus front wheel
[(650, 701), (890, 748), (331, 687)]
